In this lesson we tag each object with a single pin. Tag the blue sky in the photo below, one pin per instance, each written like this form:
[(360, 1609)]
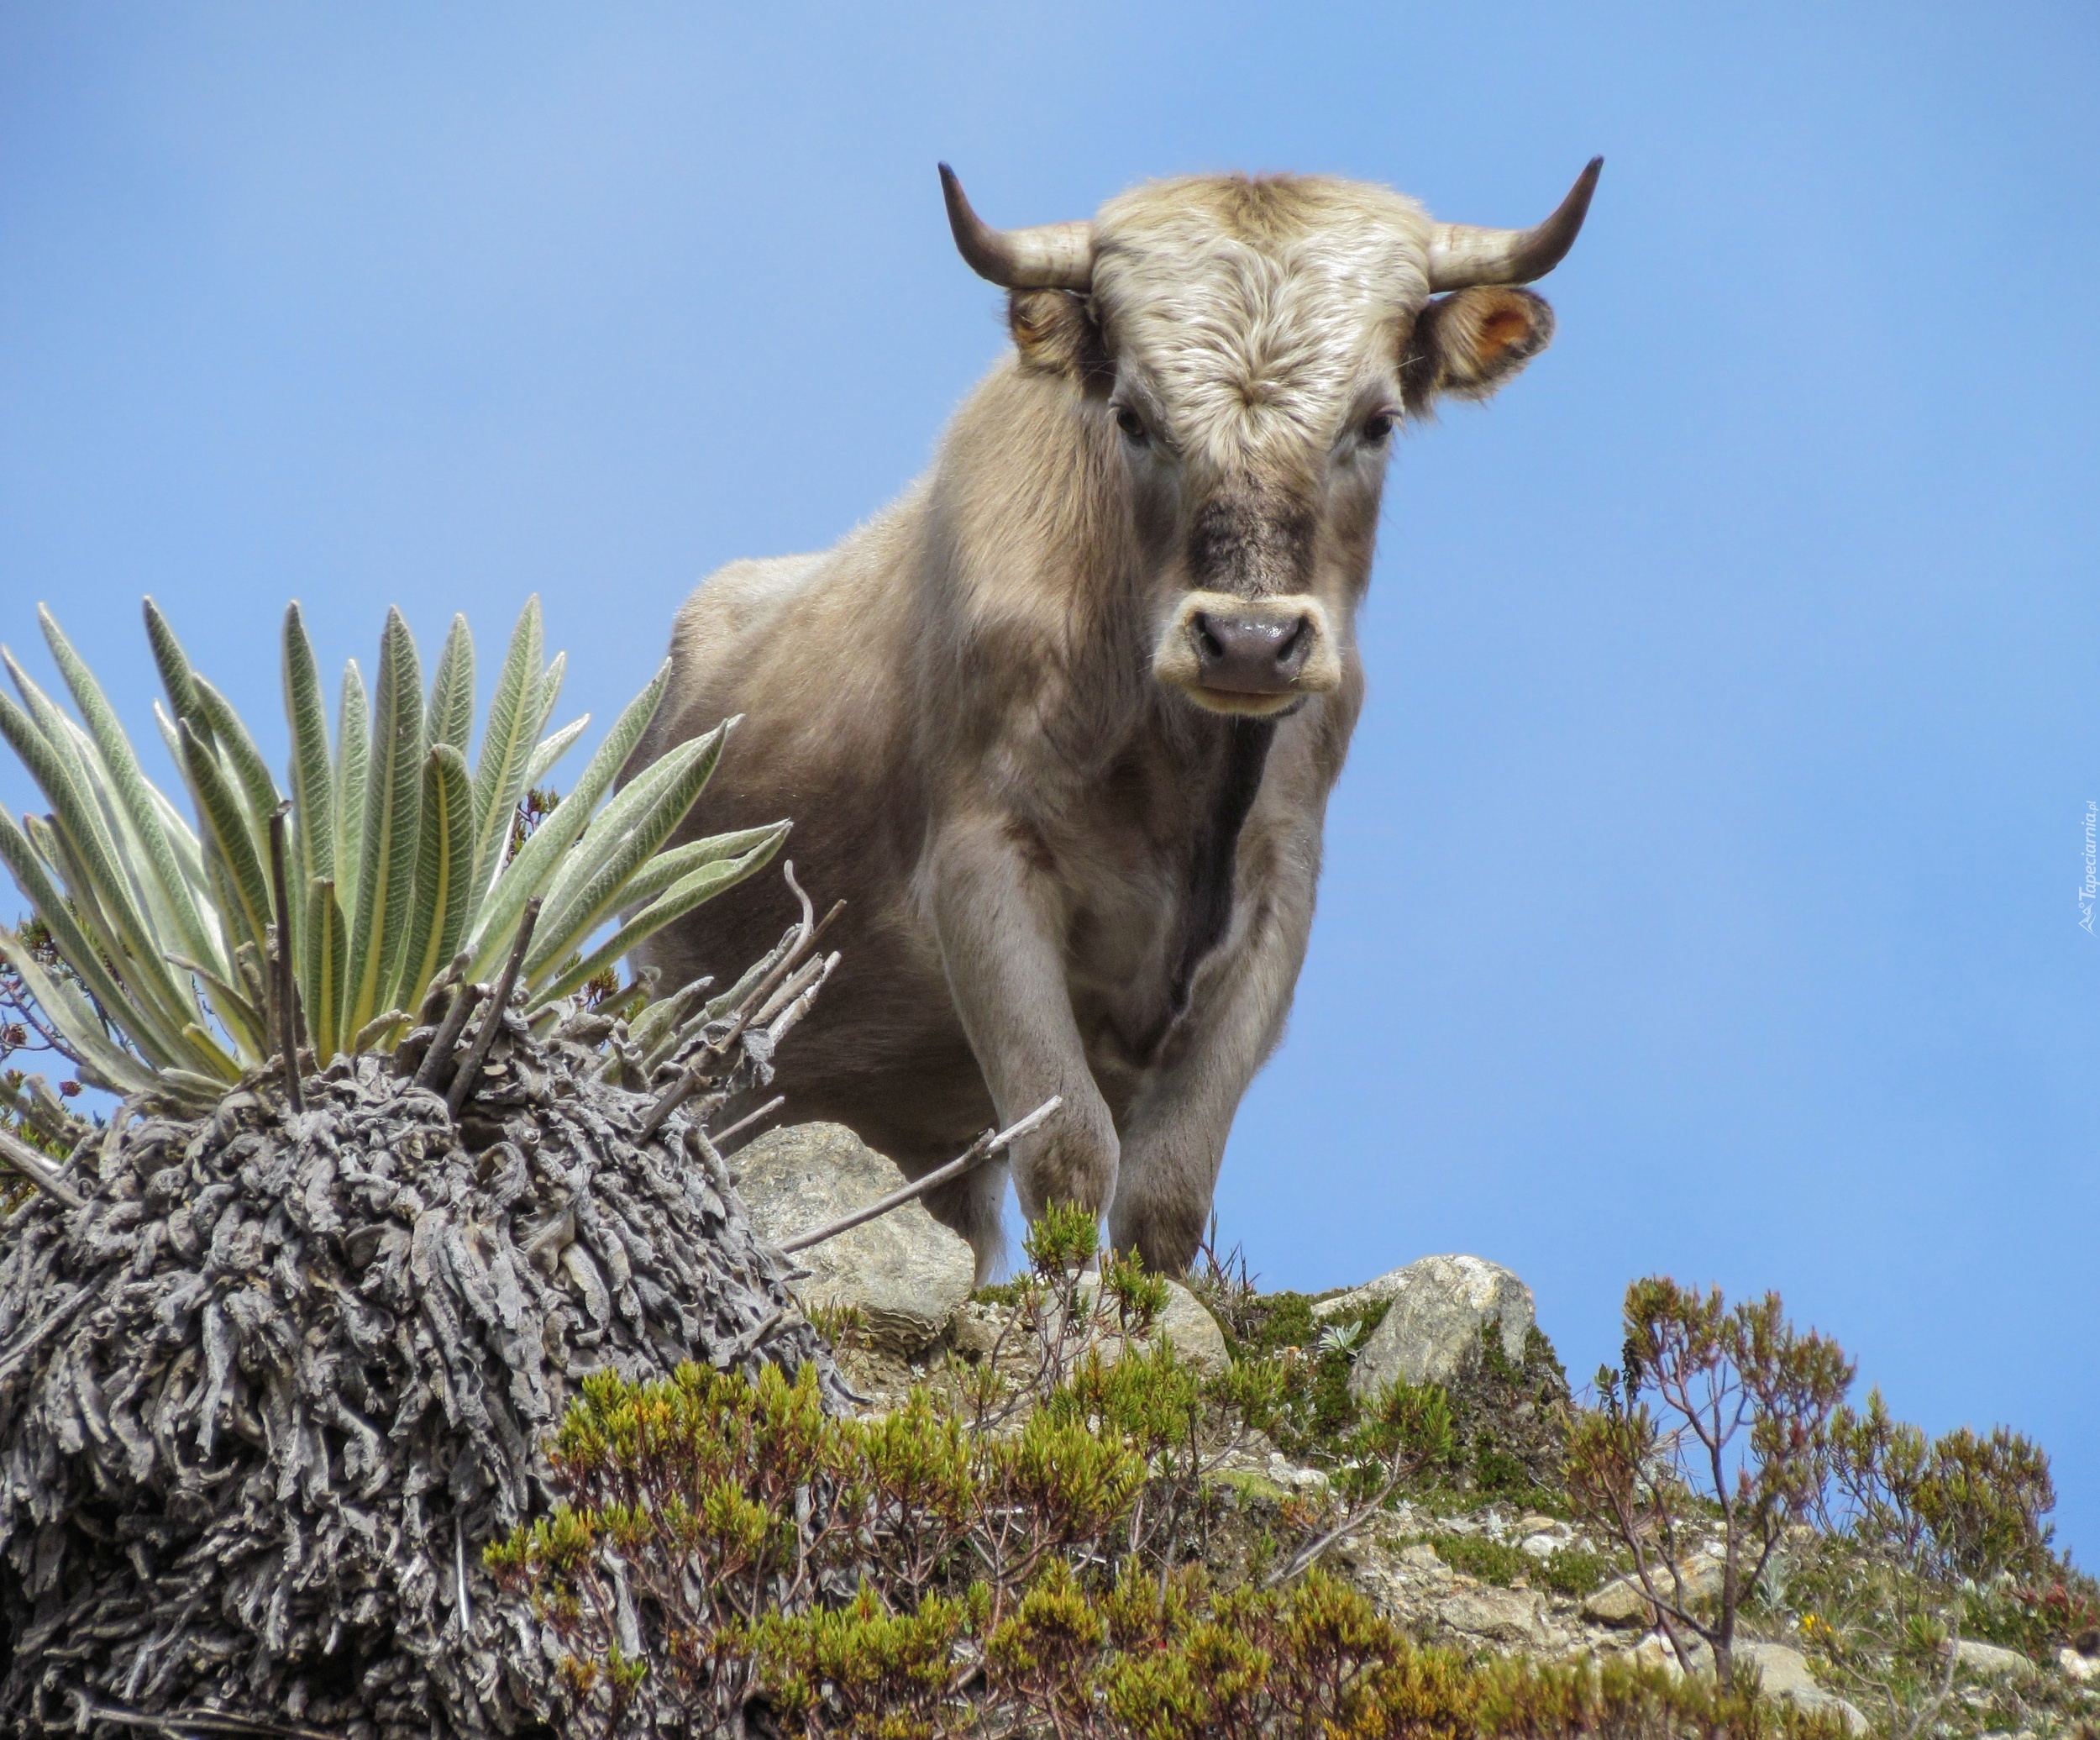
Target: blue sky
[(1700, 894)]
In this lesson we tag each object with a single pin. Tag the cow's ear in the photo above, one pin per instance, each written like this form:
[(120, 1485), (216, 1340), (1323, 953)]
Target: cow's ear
[(1469, 342), (1057, 334)]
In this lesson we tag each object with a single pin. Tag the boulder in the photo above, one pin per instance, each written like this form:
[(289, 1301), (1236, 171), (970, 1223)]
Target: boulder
[(1620, 1601), (1185, 1326), (1783, 1674), (2076, 1667), (1988, 1661), (1431, 1331), (904, 1272), (1192, 1332), (1498, 1616), (1654, 1653)]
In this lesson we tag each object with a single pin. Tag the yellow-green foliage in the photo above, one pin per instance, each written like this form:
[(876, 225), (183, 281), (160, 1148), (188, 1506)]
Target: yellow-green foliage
[(902, 1579), (1049, 1553)]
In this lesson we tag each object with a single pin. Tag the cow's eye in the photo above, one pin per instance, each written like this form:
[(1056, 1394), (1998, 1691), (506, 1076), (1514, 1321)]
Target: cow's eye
[(1376, 428), (1130, 423)]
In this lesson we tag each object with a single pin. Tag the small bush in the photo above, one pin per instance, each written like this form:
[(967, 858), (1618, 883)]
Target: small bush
[(1575, 1572), (1314, 1413), (1740, 1448), (2036, 1619), (1490, 1561)]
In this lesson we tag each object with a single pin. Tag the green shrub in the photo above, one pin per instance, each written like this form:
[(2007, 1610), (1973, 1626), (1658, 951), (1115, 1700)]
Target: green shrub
[(1740, 1448), (904, 1578), (1491, 1561), (1575, 1571), (1314, 1413)]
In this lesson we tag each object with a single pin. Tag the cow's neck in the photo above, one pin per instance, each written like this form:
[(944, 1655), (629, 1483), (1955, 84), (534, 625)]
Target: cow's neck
[(1206, 910)]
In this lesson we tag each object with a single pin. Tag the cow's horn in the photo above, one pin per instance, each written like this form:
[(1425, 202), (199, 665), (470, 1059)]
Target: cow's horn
[(1050, 256), (1462, 254)]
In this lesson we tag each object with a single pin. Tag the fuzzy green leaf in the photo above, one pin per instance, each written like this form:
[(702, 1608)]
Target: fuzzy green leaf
[(80, 767), (312, 847), (226, 827), (703, 885), (239, 755), (177, 675), (172, 889), (552, 750), (444, 873), (247, 1024), (104, 1063), (675, 862), (96, 878), (533, 868), (386, 869), (450, 719), (550, 682), (33, 877), (156, 1006), (507, 745), (352, 758), (592, 880), (324, 969)]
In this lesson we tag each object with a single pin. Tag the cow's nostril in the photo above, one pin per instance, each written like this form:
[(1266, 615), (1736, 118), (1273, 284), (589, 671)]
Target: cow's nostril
[(1256, 653)]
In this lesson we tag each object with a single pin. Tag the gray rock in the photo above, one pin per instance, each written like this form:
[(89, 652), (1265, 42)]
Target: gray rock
[(1620, 1602), (1432, 1331), (1654, 1653), (1192, 1332), (1988, 1661), (2077, 1668), (1185, 1326), (1782, 1670), (1500, 1615), (977, 1328), (1783, 1674), (904, 1272)]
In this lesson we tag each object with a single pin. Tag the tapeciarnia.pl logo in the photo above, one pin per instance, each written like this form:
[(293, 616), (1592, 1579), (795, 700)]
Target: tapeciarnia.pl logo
[(2089, 890)]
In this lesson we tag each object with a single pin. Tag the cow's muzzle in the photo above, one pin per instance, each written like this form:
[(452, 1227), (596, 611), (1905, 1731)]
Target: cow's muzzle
[(1248, 656)]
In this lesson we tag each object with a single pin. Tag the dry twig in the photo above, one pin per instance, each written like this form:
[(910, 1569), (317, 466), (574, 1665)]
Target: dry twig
[(492, 1022), (978, 1151), (36, 1169)]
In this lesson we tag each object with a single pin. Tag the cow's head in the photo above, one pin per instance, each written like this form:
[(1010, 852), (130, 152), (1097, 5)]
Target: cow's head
[(1248, 348)]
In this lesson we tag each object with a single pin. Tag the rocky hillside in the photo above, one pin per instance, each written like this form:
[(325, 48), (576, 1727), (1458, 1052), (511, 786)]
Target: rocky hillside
[(1484, 1552)]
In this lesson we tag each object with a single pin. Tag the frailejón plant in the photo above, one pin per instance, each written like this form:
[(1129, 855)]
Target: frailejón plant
[(398, 867)]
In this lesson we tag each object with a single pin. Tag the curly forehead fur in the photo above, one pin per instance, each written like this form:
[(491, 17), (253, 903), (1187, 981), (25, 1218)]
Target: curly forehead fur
[(1255, 308)]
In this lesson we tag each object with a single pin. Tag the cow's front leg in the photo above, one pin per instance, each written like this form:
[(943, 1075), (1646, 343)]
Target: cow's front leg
[(1000, 920), (1174, 1136)]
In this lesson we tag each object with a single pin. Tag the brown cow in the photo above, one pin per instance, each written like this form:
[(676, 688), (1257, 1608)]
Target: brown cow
[(1061, 723)]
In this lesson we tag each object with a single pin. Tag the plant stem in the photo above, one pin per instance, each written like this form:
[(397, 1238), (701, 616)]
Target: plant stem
[(478, 1054), (286, 987)]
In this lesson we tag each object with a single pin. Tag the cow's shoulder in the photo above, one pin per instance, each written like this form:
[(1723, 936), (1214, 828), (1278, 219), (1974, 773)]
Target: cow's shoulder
[(740, 598)]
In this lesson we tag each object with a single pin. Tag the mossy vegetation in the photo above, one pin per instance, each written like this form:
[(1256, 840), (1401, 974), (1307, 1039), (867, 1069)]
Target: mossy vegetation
[(1569, 1571), (1314, 1412)]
